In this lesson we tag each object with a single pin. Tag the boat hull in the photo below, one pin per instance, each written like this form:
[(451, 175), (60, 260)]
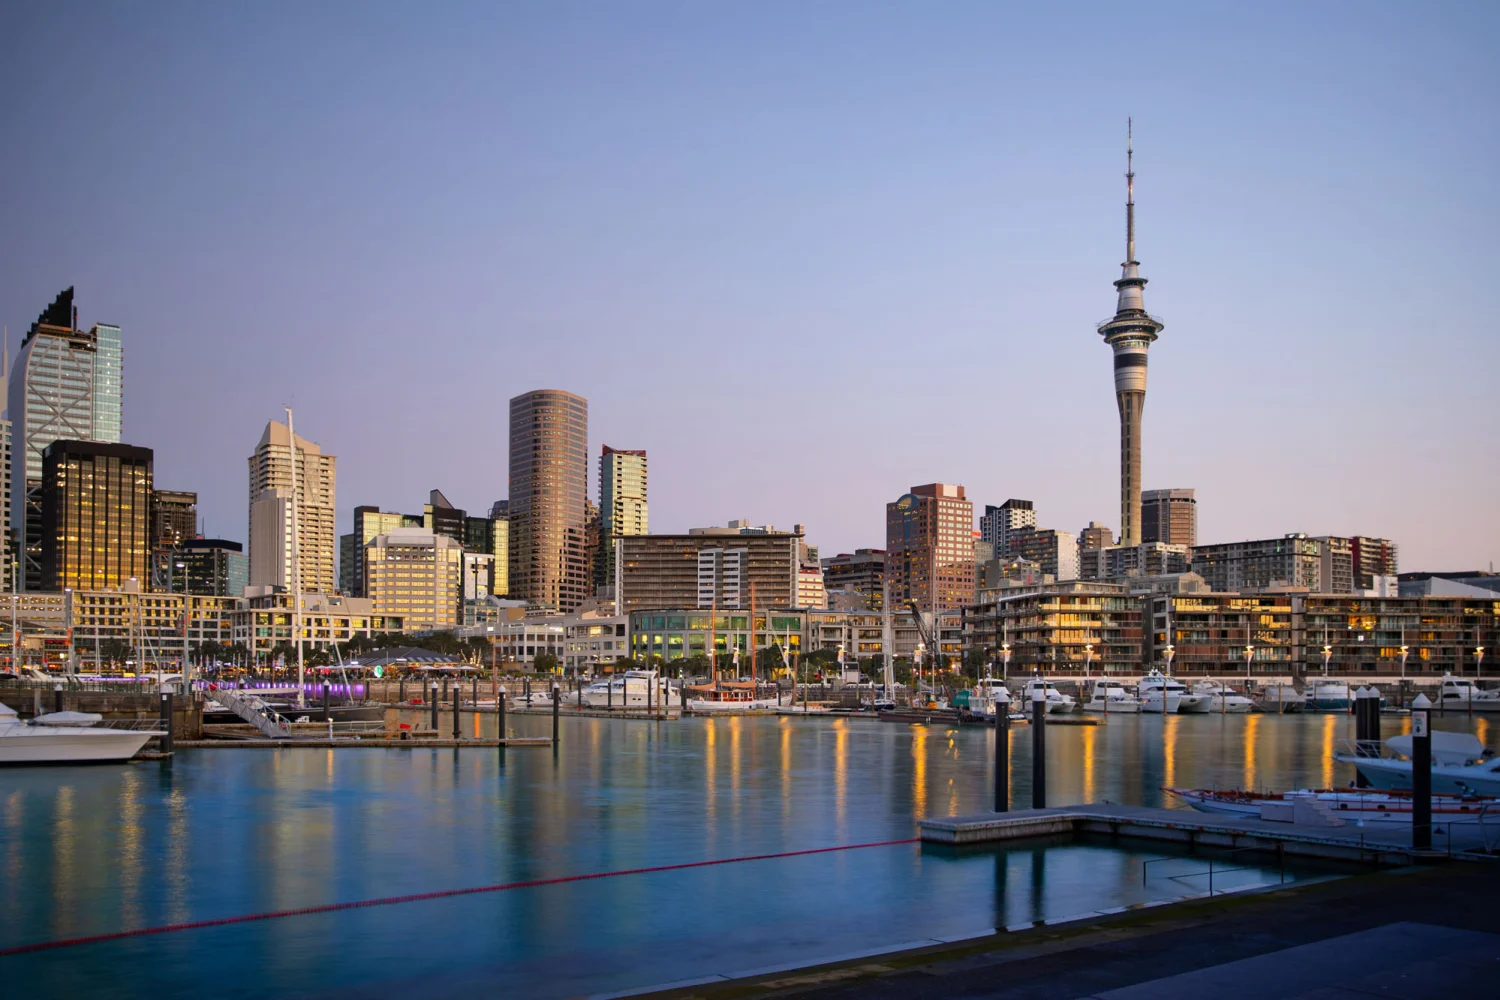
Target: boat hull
[(61, 746)]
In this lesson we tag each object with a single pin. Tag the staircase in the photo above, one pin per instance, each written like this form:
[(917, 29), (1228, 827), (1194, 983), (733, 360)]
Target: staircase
[(255, 711)]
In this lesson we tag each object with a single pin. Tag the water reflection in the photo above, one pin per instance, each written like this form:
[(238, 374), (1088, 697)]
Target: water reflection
[(1252, 743), (919, 770)]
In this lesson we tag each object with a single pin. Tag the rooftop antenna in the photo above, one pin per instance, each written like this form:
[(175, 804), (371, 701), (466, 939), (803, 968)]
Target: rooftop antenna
[(1129, 192)]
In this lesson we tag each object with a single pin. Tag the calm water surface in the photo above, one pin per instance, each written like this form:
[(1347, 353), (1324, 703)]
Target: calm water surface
[(218, 833)]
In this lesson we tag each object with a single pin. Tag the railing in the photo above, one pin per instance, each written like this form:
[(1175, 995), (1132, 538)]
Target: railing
[(1211, 871), (255, 711)]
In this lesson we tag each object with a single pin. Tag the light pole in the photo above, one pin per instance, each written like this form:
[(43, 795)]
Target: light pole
[(1167, 653), (1478, 662), (187, 604), (1088, 660)]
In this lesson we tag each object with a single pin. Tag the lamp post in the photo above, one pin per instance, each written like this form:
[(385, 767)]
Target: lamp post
[(1088, 660), (1167, 653), (1478, 662), (1249, 655), (1005, 659)]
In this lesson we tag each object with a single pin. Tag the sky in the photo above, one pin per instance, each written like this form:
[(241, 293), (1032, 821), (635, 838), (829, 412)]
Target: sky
[(807, 255)]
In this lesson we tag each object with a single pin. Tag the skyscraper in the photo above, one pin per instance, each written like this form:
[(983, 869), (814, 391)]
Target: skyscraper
[(622, 505), (96, 515), (368, 522), (998, 523), (174, 520), (929, 542), (1169, 516), (1130, 334), (271, 483), (549, 468), (66, 384)]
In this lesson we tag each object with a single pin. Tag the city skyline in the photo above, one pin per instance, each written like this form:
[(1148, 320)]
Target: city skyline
[(861, 264)]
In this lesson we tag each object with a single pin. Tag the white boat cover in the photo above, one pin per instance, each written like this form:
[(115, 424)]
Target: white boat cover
[(1447, 748), (67, 719)]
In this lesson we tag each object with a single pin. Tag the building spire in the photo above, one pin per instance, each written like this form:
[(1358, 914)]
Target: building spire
[(1129, 194)]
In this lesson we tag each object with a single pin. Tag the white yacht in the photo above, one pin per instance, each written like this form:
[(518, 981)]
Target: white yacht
[(1279, 699), (1111, 698), (1159, 693), (1221, 700), (1460, 765), (632, 689), (1466, 696), (1327, 694), (1057, 702), (70, 740)]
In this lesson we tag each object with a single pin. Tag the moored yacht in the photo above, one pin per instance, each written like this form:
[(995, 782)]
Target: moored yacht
[(1159, 693), (1221, 699), (1057, 702), (632, 689), (72, 740), (1327, 694), (1280, 699), (1464, 695), (1111, 698)]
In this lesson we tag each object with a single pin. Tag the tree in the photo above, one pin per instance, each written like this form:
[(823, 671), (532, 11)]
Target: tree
[(114, 651), (545, 663)]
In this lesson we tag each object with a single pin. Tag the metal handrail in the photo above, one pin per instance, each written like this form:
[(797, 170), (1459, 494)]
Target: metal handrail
[(1280, 867)]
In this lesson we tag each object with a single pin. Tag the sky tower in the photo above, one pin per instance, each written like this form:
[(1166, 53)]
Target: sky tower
[(1130, 334)]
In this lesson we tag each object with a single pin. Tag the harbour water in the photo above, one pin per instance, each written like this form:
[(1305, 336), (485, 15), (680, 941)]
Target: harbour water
[(220, 833)]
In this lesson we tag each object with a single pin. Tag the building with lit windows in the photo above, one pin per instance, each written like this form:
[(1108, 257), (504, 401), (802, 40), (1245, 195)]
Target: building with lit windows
[(211, 566), (622, 505), (1067, 628), (264, 619), (861, 573), (1169, 516), (272, 477), (96, 515), (416, 574), (929, 543), (549, 464)]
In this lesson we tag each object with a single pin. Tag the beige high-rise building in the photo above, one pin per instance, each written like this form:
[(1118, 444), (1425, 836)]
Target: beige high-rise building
[(622, 505), (549, 468), (271, 484), (417, 574)]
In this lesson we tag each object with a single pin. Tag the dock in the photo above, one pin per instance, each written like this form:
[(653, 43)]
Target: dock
[(1374, 843), (362, 743)]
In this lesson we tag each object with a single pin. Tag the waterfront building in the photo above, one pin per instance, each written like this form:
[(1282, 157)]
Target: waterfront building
[(997, 523), (811, 592), (1056, 552), (263, 620), (1294, 560), (707, 568), (1335, 566), (622, 505), (1064, 628), (174, 520), (519, 641), (675, 633), (1209, 633), (593, 642), (211, 567), (159, 628), (368, 522), (929, 542), (1169, 516), (1372, 558), (272, 476), (416, 574), (861, 572), (1130, 335), (96, 500), (548, 487), (1095, 536), (65, 384), (1120, 562), (1365, 634)]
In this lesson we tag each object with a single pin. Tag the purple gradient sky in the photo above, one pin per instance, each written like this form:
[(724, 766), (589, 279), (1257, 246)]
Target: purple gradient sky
[(807, 255)]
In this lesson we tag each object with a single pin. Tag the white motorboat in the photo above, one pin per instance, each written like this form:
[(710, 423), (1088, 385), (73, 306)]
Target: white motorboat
[(1356, 804), (1222, 700), (1280, 699), (632, 689), (1159, 693), (1327, 694), (1464, 695), (1111, 698), (1460, 765), (1057, 702), (66, 740)]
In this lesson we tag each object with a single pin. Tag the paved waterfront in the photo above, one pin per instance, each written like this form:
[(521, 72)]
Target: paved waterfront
[(221, 833)]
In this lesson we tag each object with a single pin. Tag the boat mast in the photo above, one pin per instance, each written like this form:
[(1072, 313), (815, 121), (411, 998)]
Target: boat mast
[(296, 568)]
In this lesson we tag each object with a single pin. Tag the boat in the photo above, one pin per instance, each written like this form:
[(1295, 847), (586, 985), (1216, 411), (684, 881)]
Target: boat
[(72, 739), (1159, 693), (729, 696), (1327, 694), (1360, 805), (1280, 699), (1057, 702), (982, 698), (1111, 698), (632, 689), (1460, 764), (1221, 700), (1463, 694)]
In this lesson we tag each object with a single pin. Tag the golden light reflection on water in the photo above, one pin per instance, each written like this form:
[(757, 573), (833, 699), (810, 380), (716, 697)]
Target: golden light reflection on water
[(841, 772), (1330, 726), (1252, 726), (786, 767), (130, 841), (919, 770), (1169, 726), (177, 865), (736, 727), (13, 814), (952, 752), (328, 765), (62, 860), (1481, 730), (710, 765), (1090, 739)]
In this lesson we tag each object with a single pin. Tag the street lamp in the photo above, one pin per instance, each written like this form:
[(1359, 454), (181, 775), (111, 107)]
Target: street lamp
[(1167, 653), (1404, 651), (1005, 658), (1088, 659), (1478, 661)]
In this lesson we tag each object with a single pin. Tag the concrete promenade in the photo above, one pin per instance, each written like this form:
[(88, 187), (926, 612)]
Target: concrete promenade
[(1407, 933)]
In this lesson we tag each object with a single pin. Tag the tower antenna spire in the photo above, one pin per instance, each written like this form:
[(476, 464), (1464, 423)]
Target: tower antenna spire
[(1129, 193)]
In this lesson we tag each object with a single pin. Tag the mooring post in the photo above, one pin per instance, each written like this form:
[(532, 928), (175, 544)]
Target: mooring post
[(57, 692), (166, 721), (1002, 752), (475, 692), (500, 716), (556, 699), (456, 696), (325, 701), (1421, 775), (1038, 748), (433, 701), (402, 689), (682, 694)]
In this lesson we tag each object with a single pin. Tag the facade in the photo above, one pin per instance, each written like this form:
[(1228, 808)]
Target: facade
[(1210, 632), (1056, 552), (548, 487), (707, 568), (1095, 536), (7, 562), (1121, 562), (1008, 573), (368, 522), (160, 628), (1336, 566), (1130, 335), (811, 592), (272, 552), (212, 567), (264, 619), (442, 517), (1291, 561), (861, 572), (478, 575), (929, 542), (593, 642), (174, 520), (1169, 516), (622, 505), (1372, 557), (491, 535), (997, 523), (520, 641), (65, 384), (1069, 628), (415, 574), (96, 515), (1364, 635)]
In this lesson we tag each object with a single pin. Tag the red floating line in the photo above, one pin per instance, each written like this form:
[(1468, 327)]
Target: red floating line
[(418, 897)]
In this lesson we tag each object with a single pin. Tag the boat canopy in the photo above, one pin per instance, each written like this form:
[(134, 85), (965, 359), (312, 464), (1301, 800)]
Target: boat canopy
[(1447, 748)]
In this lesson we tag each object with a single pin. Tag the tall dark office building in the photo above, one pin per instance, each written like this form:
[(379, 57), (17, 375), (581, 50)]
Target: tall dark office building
[(1169, 516), (96, 515), (211, 567), (441, 517), (174, 520), (549, 466)]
